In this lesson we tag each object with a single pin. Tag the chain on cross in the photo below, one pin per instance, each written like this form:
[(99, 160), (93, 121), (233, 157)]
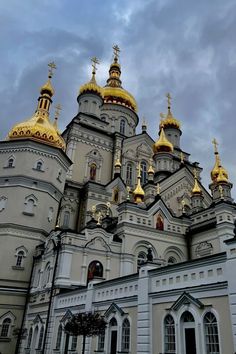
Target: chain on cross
[(52, 66), (116, 50), (95, 61)]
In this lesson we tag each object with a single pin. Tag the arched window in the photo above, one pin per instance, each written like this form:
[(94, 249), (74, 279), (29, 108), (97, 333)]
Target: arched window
[(143, 172), (92, 173), (211, 334), (129, 174), (159, 223), (10, 162), (125, 344), (187, 317), (40, 342), (59, 337), (122, 126), (20, 258), (142, 257), (169, 340), (66, 219), (39, 165), (29, 338), (47, 275), (5, 331), (30, 204), (95, 269), (172, 260)]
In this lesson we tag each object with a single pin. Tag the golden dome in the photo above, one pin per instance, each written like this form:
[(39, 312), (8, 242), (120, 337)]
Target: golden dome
[(138, 193), (168, 121), (150, 170), (218, 170), (162, 144), (196, 188), (39, 127), (113, 91), (91, 86)]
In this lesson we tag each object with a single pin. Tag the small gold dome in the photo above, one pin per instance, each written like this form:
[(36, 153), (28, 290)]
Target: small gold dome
[(218, 170), (91, 86), (168, 121), (117, 163), (39, 127), (139, 193), (113, 91), (162, 144), (196, 188), (150, 170), (222, 175)]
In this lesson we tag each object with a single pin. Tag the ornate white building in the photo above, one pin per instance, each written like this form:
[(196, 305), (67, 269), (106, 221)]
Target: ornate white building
[(104, 219)]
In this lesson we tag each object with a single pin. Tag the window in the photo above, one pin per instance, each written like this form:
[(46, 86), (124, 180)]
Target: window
[(19, 259), (143, 172), (47, 275), (30, 204), (5, 327), (169, 333), (122, 126), (10, 162), (211, 334), (125, 344), (172, 260), (129, 174), (73, 343), (29, 338), (59, 337), (92, 173), (39, 166), (95, 269), (101, 341), (66, 219), (40, 342)]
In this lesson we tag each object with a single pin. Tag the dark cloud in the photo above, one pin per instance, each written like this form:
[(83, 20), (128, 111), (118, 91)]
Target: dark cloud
[(186, 47)]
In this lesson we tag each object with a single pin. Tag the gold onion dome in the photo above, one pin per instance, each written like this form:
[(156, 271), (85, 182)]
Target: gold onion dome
[(196, 188), (218, 173), (150, 169), (113, 91), (168, 121), (92, 85), (39, 126), (138, 193), (162, 144)]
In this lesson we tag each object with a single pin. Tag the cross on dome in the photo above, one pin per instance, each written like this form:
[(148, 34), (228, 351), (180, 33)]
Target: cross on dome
[(52, 66)]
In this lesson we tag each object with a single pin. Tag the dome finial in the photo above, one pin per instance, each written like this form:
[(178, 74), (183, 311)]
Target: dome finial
[(92, 86), (168, 102), (196, 188), (116, 51), (94, 61), (167, 120), (138, 192), (218, 173)]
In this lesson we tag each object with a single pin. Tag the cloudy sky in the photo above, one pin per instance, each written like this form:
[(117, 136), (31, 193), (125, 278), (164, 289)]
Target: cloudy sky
[(185, 47)]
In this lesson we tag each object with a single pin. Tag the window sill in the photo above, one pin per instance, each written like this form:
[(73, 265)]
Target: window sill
[(36, 169), (18, 268), (27, 213)]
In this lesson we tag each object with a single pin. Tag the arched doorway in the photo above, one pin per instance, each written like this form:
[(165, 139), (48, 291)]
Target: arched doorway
[(95, 269), (113, 336), (189, 336)]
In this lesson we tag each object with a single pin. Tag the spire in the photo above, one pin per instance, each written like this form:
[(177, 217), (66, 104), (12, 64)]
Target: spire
[(162, 144), (168, 120), (196, 188), (218, 173), (138, 193), (39, 126), (114, 71), (92, 85)]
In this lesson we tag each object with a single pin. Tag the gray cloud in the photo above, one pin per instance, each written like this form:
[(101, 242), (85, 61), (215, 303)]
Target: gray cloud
[(185, 47)]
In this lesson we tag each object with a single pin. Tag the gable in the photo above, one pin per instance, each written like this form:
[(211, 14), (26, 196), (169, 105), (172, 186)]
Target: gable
[(114, 309), (186, 299)]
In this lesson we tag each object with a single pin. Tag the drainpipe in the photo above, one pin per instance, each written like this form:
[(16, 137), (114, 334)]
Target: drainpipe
[(57, 248)]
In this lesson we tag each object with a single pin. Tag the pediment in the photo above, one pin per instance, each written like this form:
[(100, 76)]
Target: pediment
[(114, 309), (186, 299), (116, 183), (37, 319), (98, 243), (66, 316)]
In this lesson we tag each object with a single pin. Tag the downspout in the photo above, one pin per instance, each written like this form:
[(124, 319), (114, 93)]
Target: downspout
[(57, 247)]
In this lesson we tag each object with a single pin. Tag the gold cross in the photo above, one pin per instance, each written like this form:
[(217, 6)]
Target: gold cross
[(52, 66), (116, 50), (215, 143), (94, 61), (168, 99), (58, 108)]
